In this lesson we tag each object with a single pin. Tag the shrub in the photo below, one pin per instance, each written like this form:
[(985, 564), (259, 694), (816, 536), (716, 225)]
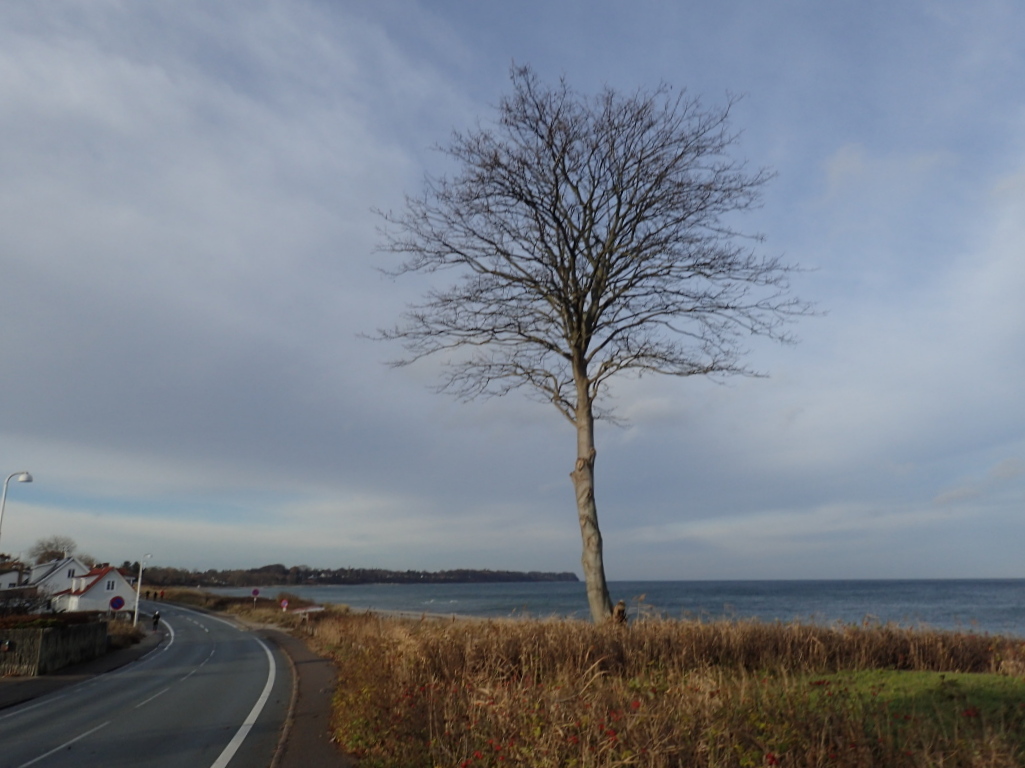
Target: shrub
[(121, 634)]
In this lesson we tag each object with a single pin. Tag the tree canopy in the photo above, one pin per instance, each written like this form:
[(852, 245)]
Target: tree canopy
[(589, 237), (52, 548)]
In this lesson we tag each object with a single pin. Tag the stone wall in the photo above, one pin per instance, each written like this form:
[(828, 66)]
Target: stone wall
[(41, 651), (19, 651)]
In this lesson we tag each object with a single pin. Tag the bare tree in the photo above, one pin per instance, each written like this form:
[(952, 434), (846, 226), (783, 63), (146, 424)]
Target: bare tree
[(86, 559), (590, 236), (52, 548)]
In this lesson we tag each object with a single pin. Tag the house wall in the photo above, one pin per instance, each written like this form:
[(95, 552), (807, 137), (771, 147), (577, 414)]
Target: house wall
[(97, 597)]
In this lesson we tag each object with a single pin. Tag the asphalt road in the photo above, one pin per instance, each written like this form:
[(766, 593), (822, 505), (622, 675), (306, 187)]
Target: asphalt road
[(210, 696)]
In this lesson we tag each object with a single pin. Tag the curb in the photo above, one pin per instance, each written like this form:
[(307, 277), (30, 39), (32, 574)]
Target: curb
[(306, 738)]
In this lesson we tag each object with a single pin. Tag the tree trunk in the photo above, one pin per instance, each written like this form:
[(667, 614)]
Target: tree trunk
[(583, 483)]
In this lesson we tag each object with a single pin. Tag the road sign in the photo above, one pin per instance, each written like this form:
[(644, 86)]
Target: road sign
[(284, 605), (256, 592), (117, 603)]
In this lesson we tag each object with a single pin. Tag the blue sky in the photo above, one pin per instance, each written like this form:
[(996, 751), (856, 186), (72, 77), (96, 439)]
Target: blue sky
[(187, 251)]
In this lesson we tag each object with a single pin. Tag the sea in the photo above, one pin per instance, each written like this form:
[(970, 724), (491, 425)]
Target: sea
[(989, 606)]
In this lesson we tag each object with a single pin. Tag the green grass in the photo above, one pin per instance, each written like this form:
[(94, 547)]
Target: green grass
[(947, 699)]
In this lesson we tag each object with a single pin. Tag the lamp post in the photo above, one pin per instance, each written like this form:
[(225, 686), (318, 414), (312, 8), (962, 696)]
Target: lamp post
[(23, 477), (138, 588)]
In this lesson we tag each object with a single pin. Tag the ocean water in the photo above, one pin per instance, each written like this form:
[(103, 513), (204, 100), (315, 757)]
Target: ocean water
[(993, 606)]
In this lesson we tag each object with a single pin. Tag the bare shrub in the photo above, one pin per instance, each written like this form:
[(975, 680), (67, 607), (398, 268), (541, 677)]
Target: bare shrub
[(121, 634)]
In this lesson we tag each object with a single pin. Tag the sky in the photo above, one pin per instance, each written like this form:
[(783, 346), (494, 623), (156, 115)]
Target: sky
[(189, 273)]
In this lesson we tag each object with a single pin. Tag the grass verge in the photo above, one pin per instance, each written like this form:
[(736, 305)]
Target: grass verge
[(560, 693)]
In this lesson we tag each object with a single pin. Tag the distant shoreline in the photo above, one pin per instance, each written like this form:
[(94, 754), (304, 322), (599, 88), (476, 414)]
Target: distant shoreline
[(280, 576)]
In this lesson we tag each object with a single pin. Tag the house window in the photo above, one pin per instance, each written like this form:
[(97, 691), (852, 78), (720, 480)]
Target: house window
[(71, 573), (110, 585)]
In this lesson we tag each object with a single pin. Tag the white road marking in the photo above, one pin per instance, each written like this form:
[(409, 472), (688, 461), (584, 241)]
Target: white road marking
[(199, 666), (46, 700), (142, 704), (237, 740), (247, 726), (65, 745)]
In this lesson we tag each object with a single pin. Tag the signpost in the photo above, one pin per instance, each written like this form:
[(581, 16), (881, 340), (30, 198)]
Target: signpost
[(284, 605), (256, 594)]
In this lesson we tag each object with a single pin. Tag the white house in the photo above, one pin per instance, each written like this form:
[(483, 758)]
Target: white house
[(10, 580), (57, 575), (101, 589)]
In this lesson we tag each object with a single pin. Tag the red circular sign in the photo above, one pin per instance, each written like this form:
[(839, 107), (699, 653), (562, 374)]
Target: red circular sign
[(117, 602)]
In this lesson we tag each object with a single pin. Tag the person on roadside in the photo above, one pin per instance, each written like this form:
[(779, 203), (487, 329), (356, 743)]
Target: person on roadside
[(156, 620)]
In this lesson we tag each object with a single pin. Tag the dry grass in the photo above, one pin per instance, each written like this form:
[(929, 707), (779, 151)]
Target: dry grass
[(121, 634), (262, 610), (562, 693), (241, 605)]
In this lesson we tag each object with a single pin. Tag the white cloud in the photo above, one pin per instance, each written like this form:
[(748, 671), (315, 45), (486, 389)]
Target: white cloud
[(186, 240), (996, 479)]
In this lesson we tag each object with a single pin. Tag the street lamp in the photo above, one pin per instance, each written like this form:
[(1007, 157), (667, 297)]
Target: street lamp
[(23, 477), (138, 588)]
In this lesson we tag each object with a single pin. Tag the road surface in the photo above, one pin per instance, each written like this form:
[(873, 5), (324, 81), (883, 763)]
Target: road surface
[(211, 695)]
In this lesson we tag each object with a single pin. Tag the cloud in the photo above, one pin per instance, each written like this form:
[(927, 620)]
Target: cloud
[(188, 258), (955, 495), (995, 479), (1008, 469)]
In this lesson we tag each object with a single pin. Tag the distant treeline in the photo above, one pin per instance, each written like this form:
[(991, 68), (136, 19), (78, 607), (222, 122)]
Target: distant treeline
[(273, 575)]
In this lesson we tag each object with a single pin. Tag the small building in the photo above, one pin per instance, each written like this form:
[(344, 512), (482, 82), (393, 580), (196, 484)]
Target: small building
[(95, 590)]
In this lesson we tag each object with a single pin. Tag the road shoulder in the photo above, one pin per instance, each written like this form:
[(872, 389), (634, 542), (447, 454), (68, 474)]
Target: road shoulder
[(307, 740)]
